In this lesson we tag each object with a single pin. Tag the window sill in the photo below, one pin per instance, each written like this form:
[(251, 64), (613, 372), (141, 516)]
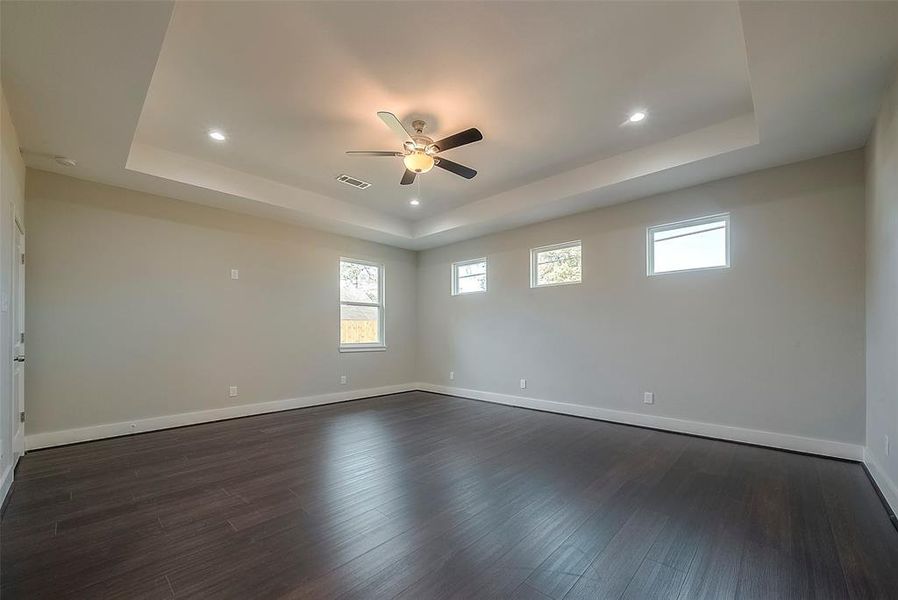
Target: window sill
[(363, 349), (558, 284), (695, 270)]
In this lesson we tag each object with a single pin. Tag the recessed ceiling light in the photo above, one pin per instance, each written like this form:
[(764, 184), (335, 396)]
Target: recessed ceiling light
[(414, 202), (637, 116), (217, 135)]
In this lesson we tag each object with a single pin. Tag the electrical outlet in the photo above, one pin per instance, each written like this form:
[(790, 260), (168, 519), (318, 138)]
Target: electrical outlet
[(885, 444), (523, 384), (235, 273), (648, 398), (342, 379), (232, 392), (451, 375)]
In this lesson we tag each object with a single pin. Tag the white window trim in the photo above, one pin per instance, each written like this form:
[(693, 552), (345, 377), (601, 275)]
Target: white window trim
[(462, 263), (533, 256), (650, 248), (381, 306)]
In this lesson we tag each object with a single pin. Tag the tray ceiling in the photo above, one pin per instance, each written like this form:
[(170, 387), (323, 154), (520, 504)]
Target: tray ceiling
[(728, 87)]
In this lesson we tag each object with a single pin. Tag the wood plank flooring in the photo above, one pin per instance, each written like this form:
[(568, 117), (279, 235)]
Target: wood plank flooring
[(420, 496)]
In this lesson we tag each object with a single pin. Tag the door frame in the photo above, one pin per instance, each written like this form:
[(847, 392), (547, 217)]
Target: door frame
[(17, 329)]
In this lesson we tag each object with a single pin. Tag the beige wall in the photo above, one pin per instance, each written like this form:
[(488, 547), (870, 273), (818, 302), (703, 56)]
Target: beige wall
[(882, 295), (132, 313), (775, 343), (12, 205)]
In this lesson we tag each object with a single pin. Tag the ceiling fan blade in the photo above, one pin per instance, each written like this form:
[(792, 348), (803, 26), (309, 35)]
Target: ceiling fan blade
[(454, 167), (461, 138), (395, 124), (373, 153), (408, 178)]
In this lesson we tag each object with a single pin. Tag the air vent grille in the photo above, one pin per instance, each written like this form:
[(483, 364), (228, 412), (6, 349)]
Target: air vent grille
[(356, 183)]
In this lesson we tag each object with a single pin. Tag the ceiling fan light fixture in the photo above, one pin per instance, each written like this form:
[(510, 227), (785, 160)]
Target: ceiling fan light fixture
[(418, 162)]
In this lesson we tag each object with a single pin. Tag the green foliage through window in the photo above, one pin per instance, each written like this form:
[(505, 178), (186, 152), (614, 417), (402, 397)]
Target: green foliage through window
[(554, 265)]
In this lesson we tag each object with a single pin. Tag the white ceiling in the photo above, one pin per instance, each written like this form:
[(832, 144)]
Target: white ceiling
[(302, 84), (131, 89)]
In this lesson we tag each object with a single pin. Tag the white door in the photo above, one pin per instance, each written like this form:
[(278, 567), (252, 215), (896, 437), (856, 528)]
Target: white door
[(18, 318)]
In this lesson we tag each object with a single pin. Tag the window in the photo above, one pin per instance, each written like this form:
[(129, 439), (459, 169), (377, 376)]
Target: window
[(469, 276), (361, 305), (689, 245), (555, 265)]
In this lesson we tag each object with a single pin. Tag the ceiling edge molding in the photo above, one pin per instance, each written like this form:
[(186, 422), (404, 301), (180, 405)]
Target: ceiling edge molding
[(528, 203), (158, 162)]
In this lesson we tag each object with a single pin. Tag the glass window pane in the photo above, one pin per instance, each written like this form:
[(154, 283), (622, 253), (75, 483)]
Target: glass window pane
[(663, 235), (558, 265), (359, 282), (558, 254), (474, 283), (359, 325), (471, 269), (469, 277), (692, 247)]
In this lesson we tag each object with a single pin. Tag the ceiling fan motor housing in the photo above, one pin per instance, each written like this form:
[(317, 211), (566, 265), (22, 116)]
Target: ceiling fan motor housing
[(420, 154)]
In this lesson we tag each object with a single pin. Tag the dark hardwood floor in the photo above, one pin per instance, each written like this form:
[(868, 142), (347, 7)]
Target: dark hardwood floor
[(419, 496)]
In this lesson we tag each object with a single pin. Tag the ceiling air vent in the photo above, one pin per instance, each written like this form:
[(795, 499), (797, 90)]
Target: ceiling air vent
[(356, 183)]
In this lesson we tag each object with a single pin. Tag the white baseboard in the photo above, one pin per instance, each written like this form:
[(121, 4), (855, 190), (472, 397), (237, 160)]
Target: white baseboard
[(6, 482), (888, 487), (724, 432), (772, 439), (96, 432)]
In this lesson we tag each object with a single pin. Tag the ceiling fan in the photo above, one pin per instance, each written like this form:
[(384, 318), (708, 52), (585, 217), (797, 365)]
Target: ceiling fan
[(420, 153)]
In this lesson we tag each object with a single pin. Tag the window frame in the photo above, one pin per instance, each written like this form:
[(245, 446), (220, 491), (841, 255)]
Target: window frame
[(473, 261), (534, 253), (650, 243), (380, 305)]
